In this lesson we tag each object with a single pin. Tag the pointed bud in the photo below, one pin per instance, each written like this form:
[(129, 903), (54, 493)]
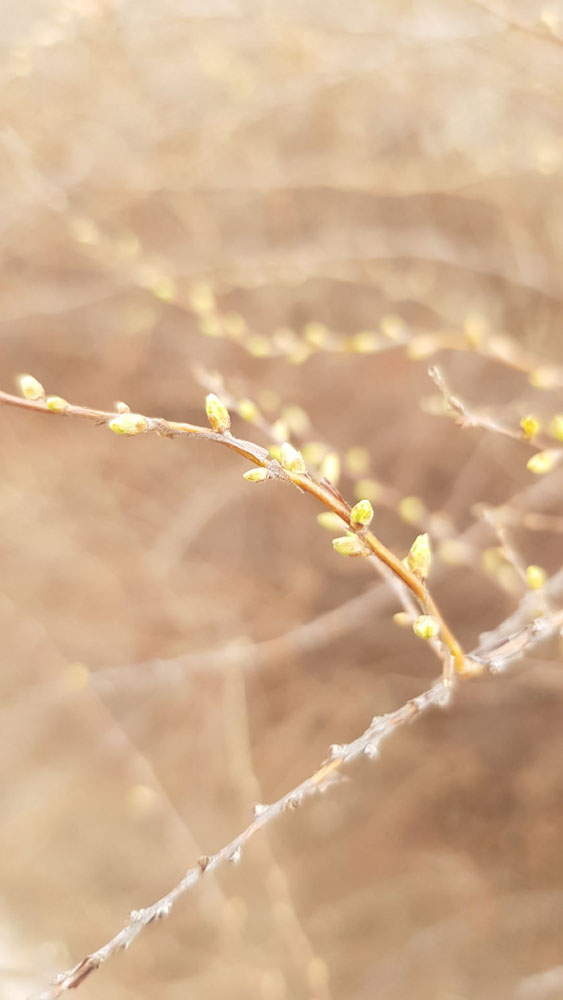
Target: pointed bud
[(129, 424), (122, 407), (291, 459), (217, 413), (57, 404), (419, 557), (30, 387), (361, 513), (426, 627), (348, 545), (256, 475)]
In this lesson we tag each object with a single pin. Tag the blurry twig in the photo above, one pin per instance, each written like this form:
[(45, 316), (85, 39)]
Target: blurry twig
[(495, 656), (545, 34)]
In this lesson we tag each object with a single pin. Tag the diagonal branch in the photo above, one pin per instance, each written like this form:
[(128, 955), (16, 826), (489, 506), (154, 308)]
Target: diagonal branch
[(497, 656), (323, 491)]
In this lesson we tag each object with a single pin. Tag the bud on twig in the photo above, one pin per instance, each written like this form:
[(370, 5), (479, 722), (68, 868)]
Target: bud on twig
[(419, 557), (256, 475), (348, 545), (361, 514), (426, 627), (129, 424), (57, 404), (217, 413), (291, 459), (30, 387)]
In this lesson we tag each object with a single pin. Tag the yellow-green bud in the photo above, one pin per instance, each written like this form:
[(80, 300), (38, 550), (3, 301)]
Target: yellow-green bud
[(247, 410), (291, 459), (217, 413), (543, 461), (348, 545), (256, 475), (361, 513), (419, 557), (536, 577), (30, 387), (411, 509), (128, 423), (426, 627), (331, 521), (330, 467), (364, 342), (530, 426), (57, 404), (556, 427)]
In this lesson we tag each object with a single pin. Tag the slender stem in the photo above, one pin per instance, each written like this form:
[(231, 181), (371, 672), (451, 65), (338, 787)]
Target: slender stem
[(260, 456)]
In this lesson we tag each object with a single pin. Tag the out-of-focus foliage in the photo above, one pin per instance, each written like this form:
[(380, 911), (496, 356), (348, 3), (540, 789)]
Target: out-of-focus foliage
[(304, 171)]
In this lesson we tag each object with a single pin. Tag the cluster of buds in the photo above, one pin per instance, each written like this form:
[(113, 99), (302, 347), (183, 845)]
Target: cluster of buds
[(361, 516), (31, 388)]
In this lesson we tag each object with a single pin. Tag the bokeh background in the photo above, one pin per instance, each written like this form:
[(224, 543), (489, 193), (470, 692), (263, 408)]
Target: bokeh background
[(275, 192)]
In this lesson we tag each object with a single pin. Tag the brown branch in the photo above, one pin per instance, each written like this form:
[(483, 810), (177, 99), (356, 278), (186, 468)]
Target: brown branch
[(466, 417), (493, 657), (258, 455)]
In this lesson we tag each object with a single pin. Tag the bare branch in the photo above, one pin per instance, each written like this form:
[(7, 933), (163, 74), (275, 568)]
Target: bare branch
[(503, 651)]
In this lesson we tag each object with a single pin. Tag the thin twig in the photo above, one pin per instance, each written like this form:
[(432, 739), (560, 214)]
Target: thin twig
[(494, 659), (523, 27), (258, 455), (466, 417)]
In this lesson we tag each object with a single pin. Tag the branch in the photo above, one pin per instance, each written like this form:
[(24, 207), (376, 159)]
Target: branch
[(293, 472), (545, 34), (494, 658)]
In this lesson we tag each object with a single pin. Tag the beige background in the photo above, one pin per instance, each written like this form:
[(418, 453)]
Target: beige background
[(313, 162)]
